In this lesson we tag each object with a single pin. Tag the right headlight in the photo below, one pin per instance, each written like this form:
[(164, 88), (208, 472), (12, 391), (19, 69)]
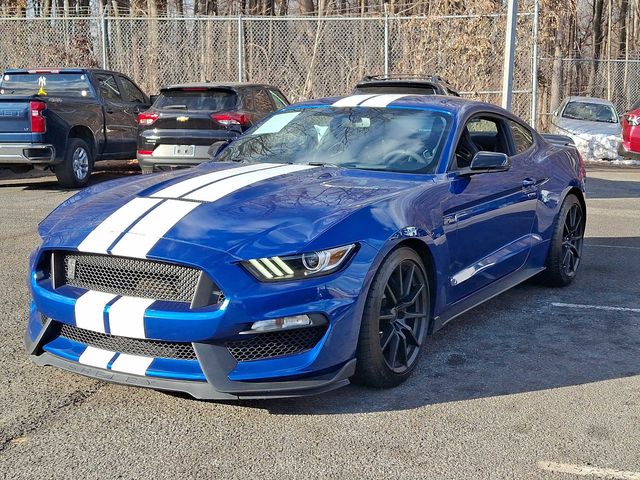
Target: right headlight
[(294, 267)]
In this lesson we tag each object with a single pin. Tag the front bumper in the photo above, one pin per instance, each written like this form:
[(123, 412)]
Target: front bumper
[(215, 371), (26, 154), (624, 152)]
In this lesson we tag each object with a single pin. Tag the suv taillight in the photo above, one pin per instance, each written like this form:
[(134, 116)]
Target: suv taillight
[(228, 119), (147, 118), (36, 115)]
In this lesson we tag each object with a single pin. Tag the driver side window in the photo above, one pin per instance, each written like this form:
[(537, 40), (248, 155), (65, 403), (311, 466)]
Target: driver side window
[(480, 134)]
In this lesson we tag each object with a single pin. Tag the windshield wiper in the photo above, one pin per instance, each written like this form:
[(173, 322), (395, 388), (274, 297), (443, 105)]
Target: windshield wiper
[(323, 164)]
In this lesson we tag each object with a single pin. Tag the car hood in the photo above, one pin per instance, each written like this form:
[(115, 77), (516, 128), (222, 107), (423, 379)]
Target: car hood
[(268, 216), (587, 128)]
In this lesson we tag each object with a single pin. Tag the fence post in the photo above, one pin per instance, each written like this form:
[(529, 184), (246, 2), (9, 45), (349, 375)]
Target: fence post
[(386, 39), (240, 49), (534, 65), (105, 62), (509, 54)]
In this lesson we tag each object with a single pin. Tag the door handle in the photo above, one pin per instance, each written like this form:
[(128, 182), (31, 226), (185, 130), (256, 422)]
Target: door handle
[(528, 182)]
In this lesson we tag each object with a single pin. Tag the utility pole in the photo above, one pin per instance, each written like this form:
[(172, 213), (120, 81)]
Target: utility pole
[(509, 54)]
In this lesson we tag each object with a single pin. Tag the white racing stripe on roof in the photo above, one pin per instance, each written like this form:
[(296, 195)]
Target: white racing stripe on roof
[(216, 191), (132, 364), (89, 310), (382, 101), (143, 236), (126, 316), (186, 186), (96, 357), (353, 100), (101, 238)]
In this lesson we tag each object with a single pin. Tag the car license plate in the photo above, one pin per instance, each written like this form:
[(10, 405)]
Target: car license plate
[(184, 150)]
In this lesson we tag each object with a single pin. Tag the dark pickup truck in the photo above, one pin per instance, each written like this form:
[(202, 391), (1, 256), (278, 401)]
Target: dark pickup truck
[(65, 119)]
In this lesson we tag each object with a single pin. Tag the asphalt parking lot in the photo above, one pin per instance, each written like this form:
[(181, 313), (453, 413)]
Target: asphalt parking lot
[(537, 383)]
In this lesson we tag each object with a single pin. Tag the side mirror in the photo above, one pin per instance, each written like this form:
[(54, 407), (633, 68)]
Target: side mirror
[(488, 162), (216, 148), (555, 114)]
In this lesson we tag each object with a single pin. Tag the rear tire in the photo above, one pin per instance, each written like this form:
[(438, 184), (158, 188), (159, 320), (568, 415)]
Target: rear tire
[(75, 170), (565, 251), (395, 321)]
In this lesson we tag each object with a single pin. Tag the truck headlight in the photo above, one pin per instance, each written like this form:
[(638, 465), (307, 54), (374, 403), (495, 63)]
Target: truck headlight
[(294, 267)]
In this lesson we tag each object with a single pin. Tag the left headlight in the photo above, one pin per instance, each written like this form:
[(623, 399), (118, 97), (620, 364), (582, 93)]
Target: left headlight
[(294, 267)]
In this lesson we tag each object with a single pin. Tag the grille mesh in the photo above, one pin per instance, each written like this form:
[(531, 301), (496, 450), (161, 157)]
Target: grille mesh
[(131, 277), (275, 344), (133, 346)]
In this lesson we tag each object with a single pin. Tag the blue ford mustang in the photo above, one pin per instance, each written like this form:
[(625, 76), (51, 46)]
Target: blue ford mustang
[(323, 246)]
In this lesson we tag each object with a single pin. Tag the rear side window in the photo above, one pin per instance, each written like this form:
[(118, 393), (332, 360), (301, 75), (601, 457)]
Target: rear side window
[(108, 87), (521, 137), (209, 100), (130, 92), (56, 84), (278, 99), (262, 102)]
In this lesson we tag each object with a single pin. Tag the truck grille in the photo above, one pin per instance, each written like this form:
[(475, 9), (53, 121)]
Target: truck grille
[(133, 346), (261, 346), (131, 277)]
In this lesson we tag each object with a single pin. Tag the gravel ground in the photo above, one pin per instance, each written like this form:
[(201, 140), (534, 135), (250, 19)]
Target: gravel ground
[(521, 387)]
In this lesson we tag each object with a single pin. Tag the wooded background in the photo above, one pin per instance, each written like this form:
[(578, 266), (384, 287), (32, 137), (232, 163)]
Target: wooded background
[(588, 47)]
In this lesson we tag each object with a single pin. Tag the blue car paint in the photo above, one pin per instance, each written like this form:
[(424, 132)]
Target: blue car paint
[(488, 223)]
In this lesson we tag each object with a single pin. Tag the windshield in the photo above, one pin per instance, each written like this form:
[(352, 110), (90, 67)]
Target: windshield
[(58, 84), (387, 139), (592, 112), (205, 99)]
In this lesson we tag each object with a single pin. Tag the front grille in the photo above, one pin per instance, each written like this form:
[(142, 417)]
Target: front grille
[(133, 346), (131, 277), (260, 346)]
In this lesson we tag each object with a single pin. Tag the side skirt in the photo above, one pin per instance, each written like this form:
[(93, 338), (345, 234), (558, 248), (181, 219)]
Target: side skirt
[(481, 296)]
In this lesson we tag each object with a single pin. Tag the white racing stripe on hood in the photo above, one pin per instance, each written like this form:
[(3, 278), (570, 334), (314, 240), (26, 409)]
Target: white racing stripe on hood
[(216, 191), (96, 357), (89, 310), (353, 100), (143, 236), (132, 364), (101, 238), (382, 101), (126, 317), (186, 186)]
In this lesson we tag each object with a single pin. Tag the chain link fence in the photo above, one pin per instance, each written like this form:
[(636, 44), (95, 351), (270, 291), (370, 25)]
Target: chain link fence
[(305, 57), (614, 80)]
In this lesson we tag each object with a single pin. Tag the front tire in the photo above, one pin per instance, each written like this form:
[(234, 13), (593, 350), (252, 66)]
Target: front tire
[(75, 170), (395, 321), (565, 251)]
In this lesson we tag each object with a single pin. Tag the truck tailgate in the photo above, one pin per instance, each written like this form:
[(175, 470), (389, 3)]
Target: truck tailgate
[(14, 115)]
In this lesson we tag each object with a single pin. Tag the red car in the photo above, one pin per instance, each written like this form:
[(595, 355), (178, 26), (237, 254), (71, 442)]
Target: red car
[(629, 147)]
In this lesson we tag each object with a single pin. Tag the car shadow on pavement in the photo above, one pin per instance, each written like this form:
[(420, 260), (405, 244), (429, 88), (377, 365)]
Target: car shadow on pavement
[(604, 188), (525, 340), (41, 180)]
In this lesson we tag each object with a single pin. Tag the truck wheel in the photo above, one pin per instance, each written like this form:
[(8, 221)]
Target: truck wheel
[(75, 170)]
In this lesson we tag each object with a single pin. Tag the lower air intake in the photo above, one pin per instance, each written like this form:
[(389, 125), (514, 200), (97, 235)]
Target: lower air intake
[(260, 346), (133, 346)]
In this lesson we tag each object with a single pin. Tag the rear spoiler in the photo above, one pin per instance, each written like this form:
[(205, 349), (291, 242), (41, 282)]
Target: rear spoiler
[(559, 140)]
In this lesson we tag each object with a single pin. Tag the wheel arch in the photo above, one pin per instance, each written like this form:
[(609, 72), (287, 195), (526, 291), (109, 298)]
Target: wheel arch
[(426, 255), (580, 196), (84, 133)]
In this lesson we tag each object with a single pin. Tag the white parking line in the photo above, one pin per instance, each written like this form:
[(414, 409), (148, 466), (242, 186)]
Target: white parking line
[(595, 307), (611, 246), (588, 471)]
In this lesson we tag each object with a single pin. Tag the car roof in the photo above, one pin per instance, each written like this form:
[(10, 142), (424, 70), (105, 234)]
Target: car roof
[(445, 103), (600, 101), (230, 85)]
